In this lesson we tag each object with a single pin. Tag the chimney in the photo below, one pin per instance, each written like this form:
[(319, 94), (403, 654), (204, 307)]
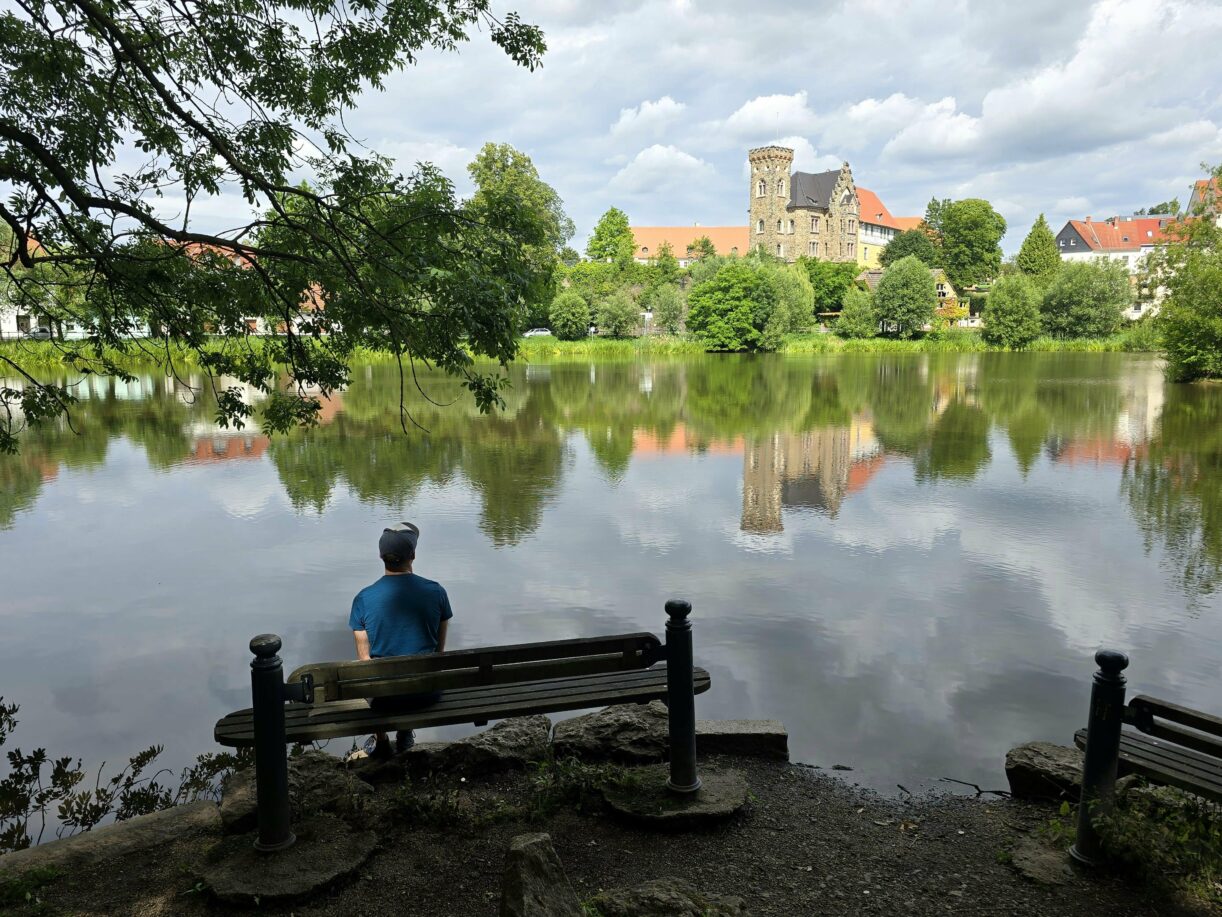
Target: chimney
[(1088, 219)]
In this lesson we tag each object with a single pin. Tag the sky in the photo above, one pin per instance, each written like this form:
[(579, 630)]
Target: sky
[(1069, 109)]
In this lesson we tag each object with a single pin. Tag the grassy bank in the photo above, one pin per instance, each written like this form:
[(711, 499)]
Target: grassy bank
[(149, 355)]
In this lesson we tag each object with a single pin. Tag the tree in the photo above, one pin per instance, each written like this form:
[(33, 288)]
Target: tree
[(705, 269), (1012, 313), (669, 308), (618, 314), (829, 281), (913, 242), (701, 248), (234, 99), (1190, 270), (935, 211), (1087, 299), (858, 318), (612, 239), (1170, 208), (793, 297), (569, 317), (906, 296), (666, 265), (1039, 257), (569, 256), (729, 311), (971, 237)]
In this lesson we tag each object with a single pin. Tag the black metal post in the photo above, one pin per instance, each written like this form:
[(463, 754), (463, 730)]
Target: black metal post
[(271, 753), (681, 698), (1102, 752)]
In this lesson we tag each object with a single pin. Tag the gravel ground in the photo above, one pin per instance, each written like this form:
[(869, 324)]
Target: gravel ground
[(809, 844)]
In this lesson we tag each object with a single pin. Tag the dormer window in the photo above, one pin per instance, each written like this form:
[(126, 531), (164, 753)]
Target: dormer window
[(644, 250)]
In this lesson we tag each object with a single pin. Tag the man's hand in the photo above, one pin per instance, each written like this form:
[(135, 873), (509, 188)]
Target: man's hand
[(362, 644)]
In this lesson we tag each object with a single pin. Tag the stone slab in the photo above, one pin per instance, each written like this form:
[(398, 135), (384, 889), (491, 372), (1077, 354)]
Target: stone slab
[(666, 898), (327, 850), (120, 839), (534, 883), (644, 798), (747, 738), (1042, 770), (1041, 864)]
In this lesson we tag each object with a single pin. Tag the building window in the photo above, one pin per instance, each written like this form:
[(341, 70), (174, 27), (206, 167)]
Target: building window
[(791, 226), (761, 189), (814, 224), (734, 250), (852, 247), (865, 251), (644, 250), (780, 250), (1073, 241), (759, 227), (780, 226), (1062, 243), (814, 249), (780, 188)]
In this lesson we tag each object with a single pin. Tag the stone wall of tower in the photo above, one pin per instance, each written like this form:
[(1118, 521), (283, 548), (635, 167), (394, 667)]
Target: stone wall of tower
[(770, 170), (842, 219)]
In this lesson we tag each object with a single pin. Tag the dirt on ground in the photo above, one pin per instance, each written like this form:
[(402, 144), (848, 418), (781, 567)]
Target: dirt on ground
[(807, 844)]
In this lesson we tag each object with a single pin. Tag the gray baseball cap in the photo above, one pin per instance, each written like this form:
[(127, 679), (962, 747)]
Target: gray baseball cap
[(399, 539)]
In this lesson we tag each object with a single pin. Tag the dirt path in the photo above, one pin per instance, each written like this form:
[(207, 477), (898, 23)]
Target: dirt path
[(809, 845)]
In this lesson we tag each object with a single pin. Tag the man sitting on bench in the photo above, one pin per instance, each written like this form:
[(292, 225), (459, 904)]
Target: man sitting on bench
[(402, 614)]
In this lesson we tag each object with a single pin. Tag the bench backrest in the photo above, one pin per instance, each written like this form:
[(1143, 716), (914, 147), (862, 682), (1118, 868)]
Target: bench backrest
[(1175, 724), (493, 665)]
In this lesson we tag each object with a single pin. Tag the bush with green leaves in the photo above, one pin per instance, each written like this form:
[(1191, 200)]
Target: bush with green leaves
[(1012, 313), (829, 280), (1087, 299), (618, 315), (569, 317), (1039, 258), (750, 304), (669, 308), (858, 318), (906, 297)]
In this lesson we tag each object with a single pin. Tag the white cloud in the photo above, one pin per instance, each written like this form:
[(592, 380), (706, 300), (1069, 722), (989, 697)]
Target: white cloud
[(647, 120), (770, 115), (662, 168)]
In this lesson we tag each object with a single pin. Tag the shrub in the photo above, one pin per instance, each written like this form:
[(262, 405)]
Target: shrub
[(1012, 314), (1087, 299), (729, 311), (858, 318), (669, 308), (618, 314), (906, 296), (1190, 323), (830, 280), (569, 317)]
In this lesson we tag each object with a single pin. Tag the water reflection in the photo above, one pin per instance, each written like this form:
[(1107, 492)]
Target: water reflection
[(908, 559)]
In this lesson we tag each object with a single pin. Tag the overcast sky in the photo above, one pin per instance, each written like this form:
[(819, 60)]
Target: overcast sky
[(1066, 108)]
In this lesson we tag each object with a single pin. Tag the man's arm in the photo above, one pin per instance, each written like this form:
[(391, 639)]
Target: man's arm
[(442, 630), (362, 643)]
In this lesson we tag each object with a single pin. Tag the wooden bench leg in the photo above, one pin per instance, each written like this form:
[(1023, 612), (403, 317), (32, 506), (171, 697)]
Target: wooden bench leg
[(681, 698), (1102, 752), (271, 751)]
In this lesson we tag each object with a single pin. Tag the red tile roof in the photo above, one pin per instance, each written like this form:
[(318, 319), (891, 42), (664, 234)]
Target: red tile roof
[(903, 224), (1122, 233), (873, 210), (725, 239)]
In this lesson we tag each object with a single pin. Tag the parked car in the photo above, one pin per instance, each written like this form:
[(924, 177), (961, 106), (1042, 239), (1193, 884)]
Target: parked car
[(39, 334), (537, 332)]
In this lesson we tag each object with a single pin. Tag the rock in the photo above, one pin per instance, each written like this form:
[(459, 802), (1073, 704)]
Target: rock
[(1042, 770), (631, 733), (1040, 864), (666, 898), (509, 745), (119, 840), (327, 850), (318, 782), (748, 738), (534, 883), (644, 798)]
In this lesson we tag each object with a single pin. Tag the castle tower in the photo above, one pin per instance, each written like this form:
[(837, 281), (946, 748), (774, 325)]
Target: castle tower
[(769, 189)]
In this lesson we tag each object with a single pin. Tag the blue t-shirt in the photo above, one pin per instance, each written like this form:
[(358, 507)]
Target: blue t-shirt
[(402, 615)]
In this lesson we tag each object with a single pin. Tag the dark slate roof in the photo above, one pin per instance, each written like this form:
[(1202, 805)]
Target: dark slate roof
[(808, 189)]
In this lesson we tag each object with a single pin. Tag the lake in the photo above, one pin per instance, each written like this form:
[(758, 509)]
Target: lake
[(910, 560)]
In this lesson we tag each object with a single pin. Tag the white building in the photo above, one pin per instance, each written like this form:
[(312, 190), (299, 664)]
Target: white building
[(1126, 239)]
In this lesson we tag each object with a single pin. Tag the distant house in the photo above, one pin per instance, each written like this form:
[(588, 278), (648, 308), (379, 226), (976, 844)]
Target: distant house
[(1128, 239), (1207, 197), (947, 296), (727, 240), (878, 227)]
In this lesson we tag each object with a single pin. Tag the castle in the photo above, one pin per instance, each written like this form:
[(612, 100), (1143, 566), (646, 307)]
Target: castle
[(800, 213)]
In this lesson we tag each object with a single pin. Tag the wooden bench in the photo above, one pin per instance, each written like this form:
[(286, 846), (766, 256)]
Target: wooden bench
[(1172, 745), (331, 699)]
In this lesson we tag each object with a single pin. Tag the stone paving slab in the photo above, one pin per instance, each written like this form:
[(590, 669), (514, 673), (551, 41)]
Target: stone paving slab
[(746, 738), (646, 800)]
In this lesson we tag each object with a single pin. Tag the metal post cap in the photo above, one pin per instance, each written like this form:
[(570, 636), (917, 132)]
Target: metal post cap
[(1113, 662), (678, 608), (265, 645)]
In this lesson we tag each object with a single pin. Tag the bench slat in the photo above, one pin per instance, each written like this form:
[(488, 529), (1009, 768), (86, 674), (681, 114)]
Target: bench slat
[(346, 718), (1175, 713), (1168, 764), (1187, 738), (302, 712)]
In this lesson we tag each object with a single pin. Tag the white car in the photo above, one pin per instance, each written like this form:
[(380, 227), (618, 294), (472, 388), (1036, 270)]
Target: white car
[(537, 332)]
